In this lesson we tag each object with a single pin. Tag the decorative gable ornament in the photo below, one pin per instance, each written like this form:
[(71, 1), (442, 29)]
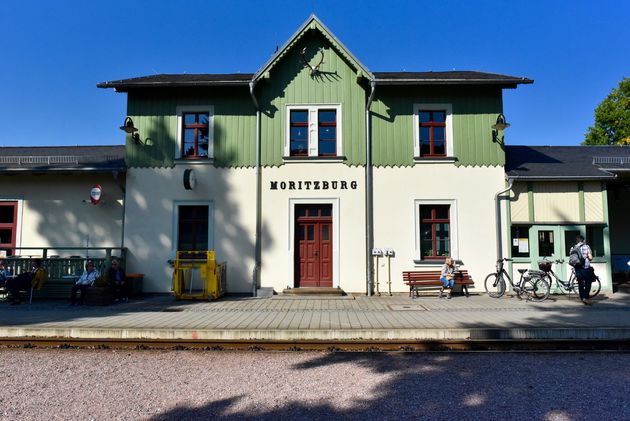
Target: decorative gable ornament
[(314, 69), (95, 194)]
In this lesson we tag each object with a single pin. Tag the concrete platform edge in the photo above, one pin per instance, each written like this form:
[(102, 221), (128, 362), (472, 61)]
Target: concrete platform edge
[(324, 335)]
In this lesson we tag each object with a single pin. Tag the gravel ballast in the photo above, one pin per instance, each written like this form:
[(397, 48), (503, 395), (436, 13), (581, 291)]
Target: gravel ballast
[(49, 384)]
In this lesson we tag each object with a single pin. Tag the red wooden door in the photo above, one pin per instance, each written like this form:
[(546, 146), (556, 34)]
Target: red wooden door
[(8, 226), (313, 238)]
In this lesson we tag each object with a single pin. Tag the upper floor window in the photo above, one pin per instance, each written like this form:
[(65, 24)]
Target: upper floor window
[(195, 132), (313, 131), (433, 130)]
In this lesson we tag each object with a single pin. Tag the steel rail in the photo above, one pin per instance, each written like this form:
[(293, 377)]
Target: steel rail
[(472, 345)]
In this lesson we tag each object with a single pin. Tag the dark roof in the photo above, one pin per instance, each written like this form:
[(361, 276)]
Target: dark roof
[(447, 78), (566, 162), (165, 80), (62, 158), (384, 78)]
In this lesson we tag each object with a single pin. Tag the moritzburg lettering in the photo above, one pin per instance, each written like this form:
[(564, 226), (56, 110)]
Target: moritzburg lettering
[(313, 185)]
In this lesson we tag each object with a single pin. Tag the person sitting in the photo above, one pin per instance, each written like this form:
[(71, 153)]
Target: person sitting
[(447, 277), (25, 281), (117, 278), (87, 279)]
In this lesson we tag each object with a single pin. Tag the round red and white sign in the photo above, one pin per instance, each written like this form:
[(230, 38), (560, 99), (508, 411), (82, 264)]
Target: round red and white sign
[(95, 194)]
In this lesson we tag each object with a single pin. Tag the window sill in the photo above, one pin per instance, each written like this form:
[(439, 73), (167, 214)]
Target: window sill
[(434, 159), (197, 161), (428, 263), (294, 159)]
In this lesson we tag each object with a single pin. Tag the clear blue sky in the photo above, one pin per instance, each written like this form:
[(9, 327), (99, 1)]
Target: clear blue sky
[(54, 53)]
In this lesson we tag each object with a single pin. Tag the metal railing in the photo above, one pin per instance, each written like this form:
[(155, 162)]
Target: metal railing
[(55, 160), (72, 264), (611, 160)]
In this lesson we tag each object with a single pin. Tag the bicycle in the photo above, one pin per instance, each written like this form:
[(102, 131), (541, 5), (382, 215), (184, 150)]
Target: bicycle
[(570, 286), (531, 283)]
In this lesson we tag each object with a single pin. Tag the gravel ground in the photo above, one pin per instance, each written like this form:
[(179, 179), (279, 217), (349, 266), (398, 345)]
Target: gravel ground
[(183, 385)]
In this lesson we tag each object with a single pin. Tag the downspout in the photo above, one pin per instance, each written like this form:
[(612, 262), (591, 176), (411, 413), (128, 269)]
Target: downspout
[(123, 188), (369, 209), (498, 213), (258, 245)]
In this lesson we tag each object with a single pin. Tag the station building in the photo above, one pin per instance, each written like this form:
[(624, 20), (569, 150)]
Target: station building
[(295, 174)]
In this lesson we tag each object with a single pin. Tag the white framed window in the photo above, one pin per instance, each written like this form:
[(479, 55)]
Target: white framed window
[(433, 130), (193, 226), (195, 132), (435, 230), (313, 131)]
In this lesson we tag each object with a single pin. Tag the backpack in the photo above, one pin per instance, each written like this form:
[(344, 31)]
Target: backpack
[(576, 259)]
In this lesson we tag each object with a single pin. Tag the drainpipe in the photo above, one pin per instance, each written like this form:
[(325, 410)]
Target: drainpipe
[(369, 210), (258, 246), (498, 212)]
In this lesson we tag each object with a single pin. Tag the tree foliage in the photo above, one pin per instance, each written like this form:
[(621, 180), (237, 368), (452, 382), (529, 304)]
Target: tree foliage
[(612, 118)]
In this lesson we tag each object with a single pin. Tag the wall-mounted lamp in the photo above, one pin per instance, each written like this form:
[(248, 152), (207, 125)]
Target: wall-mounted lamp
[(128, 127), (500, 125)]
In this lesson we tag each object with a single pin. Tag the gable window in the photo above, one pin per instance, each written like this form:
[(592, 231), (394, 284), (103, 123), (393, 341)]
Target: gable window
[(433, 130), (313, 131), (193, 228), (195, 132)]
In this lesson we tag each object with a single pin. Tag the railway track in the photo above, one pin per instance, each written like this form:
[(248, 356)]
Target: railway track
[(487, 345)]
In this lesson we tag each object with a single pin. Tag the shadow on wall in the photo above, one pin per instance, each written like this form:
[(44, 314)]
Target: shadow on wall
[(233, 240), (66, 219)]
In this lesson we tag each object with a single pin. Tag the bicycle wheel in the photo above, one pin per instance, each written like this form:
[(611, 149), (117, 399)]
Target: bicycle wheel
[(495, 285), (540, 292), (536, 289), (596, 287)]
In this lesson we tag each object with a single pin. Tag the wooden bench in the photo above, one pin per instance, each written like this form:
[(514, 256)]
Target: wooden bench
[(423, 279)]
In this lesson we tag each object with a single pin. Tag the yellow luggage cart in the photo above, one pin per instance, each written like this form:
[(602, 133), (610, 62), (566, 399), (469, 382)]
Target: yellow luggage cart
[(197, 276)]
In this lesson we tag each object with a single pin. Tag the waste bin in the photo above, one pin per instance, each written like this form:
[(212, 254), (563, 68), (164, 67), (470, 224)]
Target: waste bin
[(134, 284)]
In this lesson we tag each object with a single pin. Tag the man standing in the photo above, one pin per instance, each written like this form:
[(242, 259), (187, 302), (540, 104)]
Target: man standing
[(584, 273)]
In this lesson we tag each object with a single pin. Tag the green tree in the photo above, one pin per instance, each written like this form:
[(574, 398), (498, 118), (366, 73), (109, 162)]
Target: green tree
[(612, 118)]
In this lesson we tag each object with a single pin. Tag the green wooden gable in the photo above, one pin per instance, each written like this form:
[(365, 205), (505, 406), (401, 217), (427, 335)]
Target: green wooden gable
[(290, 82)]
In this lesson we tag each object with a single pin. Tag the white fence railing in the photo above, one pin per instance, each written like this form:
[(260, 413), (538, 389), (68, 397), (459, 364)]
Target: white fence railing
[(611, 160), (54, 160)]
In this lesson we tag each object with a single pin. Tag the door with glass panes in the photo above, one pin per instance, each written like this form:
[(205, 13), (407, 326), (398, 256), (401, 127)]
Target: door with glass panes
[(313, 245)]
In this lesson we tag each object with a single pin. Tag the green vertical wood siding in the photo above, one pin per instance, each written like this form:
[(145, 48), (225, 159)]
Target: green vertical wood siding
[(154, 114), (475, 110), (290, 83)]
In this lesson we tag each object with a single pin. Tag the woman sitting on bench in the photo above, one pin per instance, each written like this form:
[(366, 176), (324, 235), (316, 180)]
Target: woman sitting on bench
[(447, 277)]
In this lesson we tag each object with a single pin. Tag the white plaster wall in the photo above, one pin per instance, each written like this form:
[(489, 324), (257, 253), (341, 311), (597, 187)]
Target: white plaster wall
[(150, 226), (471, 188), (52, 211), (276, 245)]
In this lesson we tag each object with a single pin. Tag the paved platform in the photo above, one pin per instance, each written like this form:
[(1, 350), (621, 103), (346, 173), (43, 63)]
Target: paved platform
[(325, 318)]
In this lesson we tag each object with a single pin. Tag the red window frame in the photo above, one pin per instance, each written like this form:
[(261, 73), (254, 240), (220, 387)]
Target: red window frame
[(197, 127), (9, 247), (433, 221), (298, 124), (327, 124), (431, 124)]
